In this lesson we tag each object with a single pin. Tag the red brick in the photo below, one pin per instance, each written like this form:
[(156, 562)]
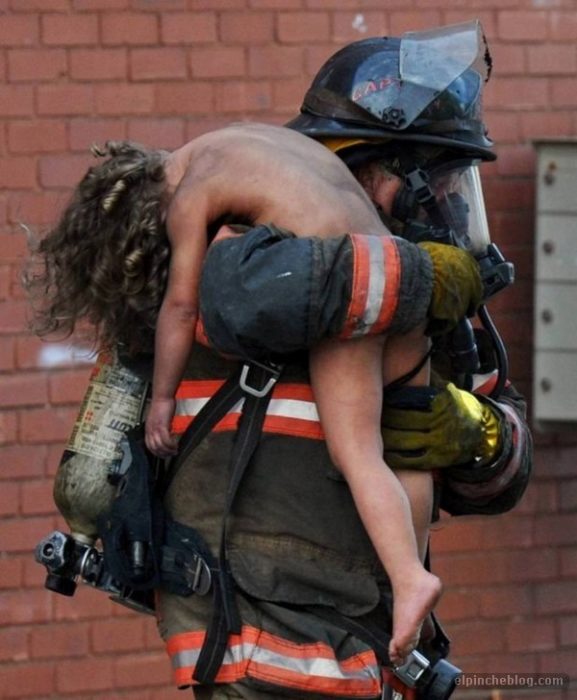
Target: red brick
[(555, 597), (19, 30), (563, 92), (190, 98), (101, 4), (505, 601), (563, 25), (18, 173), (8, 426), (98, 64), (486, 16), (13, 247), (39, 136), (144, 670), (520, 25), (84, 132), (10, 573), (63, 171), (9, 499), (560, 662), (32, 352), (542, 124), (36, 64), (407, 21), (162, 133), (26, 680), (36, 498), (7, 354), (65, 99), (552, 59), (114, 636), (22, 462), (22, 535), (556, 529), (516, 160), (288, 94), (220, 4), (16, 100), (457, 604), (13, 316), (513, 93), (68, 386), (251, 28), (218, 62), (188, 27), (24, 390), (43, 425), (63, 640), (26, 606), (468, 638), (569, 562), (129, 28), (241, 97), (531, 636), (165, 5), (33, 208), (84, 675), (303, 27), (44, 5), (352, 26), (14, 644), (124, 99), (158, 64), (275, 4), (87, 604), (568, 631), (201, 125), (70, 30), (275, 61)]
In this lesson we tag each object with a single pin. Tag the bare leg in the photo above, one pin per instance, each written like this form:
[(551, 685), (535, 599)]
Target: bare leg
[(347, 379)]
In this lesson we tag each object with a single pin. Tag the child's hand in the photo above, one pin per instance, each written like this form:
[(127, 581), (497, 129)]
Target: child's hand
[(158, 437)]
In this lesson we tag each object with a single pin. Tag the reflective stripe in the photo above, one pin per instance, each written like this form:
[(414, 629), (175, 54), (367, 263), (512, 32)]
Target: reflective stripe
[(292, 410), (311, 667), (375, 286), (485, 383)]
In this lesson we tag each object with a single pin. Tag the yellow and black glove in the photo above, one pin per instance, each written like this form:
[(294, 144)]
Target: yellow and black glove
[(457, 286), (430, 428)]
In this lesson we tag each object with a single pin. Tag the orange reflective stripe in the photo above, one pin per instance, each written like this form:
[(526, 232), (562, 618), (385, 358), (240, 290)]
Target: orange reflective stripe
[(291, 411), (375, 286), (359, 286), (263, 656)]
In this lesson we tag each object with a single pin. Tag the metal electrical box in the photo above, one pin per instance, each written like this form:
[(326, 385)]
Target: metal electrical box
[(555, 335)]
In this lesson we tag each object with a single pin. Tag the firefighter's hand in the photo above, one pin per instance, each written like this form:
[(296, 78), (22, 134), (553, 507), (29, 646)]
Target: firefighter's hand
[(453, 429), (457, 286), (158, 437)]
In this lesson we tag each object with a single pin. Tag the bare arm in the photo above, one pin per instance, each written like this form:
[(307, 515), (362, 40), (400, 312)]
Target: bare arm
[(187, 221)]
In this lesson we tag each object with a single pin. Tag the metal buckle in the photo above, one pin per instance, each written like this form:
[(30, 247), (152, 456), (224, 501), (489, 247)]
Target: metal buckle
[(273, 370), (198, 576), (413, 669)]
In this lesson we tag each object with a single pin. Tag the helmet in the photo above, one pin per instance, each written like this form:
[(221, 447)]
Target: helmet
[(425, 87)]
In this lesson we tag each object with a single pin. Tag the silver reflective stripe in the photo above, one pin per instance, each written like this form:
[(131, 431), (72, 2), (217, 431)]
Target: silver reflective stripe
[(319, 667), (376, 286), (287, 408)]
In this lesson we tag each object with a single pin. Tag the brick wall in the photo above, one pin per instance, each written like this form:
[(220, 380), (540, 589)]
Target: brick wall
[(74, 72)]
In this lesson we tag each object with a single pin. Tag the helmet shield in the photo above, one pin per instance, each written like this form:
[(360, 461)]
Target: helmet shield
[(447, 60)]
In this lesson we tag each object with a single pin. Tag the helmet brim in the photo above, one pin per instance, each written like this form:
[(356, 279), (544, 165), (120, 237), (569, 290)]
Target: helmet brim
[(322, 127)]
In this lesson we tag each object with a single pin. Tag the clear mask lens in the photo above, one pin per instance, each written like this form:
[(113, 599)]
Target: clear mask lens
[(459, 195)]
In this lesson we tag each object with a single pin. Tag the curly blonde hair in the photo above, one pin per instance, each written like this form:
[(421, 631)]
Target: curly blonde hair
[(106, 261)]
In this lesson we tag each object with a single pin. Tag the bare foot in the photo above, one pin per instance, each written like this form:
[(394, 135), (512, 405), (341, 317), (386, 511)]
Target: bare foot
[(411, 605)]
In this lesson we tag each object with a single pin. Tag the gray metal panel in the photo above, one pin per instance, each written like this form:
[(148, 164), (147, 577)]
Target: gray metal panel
[(556, 317), (556, 253), (555, 386), (557, 178)]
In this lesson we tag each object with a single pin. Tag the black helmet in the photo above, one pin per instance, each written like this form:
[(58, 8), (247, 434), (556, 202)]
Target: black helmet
[(425, 87)]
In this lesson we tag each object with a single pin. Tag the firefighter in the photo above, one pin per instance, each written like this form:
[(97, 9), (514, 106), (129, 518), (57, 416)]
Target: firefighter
[(312, 602)]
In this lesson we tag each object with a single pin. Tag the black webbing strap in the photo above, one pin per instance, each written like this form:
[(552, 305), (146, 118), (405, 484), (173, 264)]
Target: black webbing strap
[(225, 617), (213, 411)]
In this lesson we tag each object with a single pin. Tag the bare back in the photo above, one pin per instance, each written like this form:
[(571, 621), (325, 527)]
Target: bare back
[(268, 174)]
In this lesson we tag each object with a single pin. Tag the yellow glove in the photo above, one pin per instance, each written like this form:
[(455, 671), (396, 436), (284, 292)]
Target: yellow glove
[(457, 286), (450, 427)]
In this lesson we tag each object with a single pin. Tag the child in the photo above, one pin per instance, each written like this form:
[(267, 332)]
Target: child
[(262, 174)]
